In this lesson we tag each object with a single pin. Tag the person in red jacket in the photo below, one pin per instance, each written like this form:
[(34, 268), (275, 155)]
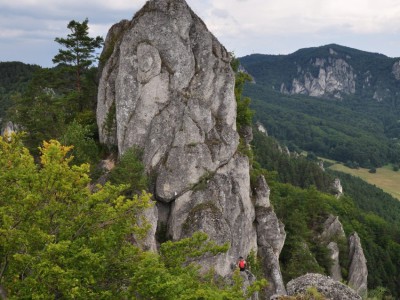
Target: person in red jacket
[(242, 263)]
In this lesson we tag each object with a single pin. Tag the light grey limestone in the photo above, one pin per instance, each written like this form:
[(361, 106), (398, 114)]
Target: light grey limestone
[(171, 85), (335, 270), (220, 206), (396, 70), (328, 287), (358, 272)]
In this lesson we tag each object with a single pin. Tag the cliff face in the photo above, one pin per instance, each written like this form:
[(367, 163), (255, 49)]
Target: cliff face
[(330, 71), (358, 271), (334, 78), (167, 87)]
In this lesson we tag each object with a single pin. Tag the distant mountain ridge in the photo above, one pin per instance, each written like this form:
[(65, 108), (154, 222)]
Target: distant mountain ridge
[(330, 71), (336, 101)]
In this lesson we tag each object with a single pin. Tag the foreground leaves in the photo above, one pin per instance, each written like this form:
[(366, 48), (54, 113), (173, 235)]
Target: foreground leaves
[(60, 241)]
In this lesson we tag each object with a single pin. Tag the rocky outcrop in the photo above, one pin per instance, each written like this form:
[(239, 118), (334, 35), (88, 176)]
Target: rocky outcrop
[(396, 70), (271, 237), (328, 287), (171, 85), (220, 206), (9, 128), (246, 133), (248, 279), (335, 78), (331, 234), (337, 188), (332, 229), (358, 272), (167, 87), (335, 270), (150, 218), (261, 128)]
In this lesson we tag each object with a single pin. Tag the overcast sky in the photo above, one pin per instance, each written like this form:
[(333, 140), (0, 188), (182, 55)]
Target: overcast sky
[(28, 27)]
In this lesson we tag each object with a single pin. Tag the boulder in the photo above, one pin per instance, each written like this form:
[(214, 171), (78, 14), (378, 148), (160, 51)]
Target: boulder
[(329, 288)]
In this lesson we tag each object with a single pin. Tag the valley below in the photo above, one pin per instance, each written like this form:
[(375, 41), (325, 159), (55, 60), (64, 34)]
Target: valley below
[(384, 178)]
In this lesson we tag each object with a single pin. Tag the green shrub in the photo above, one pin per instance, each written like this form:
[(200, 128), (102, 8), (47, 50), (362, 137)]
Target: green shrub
[(130, 170)]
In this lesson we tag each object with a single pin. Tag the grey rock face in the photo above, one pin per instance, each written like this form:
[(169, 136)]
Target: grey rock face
[(332, 231), (171, 86), (271, 237), (261, 128), (261, 193), (221, 207), (396, 70), (167, 87), (328, 287), (335, 77), (337, 187), (358, 272), (332, 228), (335, 271), (248, 279), (246, 132), (148, 243)]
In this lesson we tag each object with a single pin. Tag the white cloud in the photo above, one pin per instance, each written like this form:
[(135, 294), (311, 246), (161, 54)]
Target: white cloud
[(271, 16), (245, 26)]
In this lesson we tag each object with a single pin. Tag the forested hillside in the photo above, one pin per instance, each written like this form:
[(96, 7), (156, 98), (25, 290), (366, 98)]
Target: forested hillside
[(354, 125), (14, 78), (373, 214)]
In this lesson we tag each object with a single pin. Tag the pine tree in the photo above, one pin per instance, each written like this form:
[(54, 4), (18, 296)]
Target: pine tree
[(79, 52)]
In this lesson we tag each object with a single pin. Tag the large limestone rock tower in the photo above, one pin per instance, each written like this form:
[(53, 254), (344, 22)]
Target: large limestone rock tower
[(167, 87)]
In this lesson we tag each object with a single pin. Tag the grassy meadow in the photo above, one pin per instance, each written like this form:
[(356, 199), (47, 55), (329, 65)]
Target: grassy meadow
[(384, 178)]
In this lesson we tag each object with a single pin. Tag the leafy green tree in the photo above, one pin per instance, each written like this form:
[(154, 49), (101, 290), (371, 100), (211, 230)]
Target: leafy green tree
[(244, 114), (59, 240), (85, 149), (130, 170), (79, 52)]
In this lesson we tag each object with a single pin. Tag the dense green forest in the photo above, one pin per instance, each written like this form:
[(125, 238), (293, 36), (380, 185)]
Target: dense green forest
[(14, 78), (301, 195), (357, 129)]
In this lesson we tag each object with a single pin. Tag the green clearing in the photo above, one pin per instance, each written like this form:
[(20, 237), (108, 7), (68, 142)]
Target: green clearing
[(384, 178)]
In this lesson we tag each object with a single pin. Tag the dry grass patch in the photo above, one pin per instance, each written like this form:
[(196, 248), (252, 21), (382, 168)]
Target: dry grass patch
[(384, 178)]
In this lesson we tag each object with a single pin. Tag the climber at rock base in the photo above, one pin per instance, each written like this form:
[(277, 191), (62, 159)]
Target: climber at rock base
[(242, 264)]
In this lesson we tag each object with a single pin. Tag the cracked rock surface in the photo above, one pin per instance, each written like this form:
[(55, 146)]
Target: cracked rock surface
[(167, 88)]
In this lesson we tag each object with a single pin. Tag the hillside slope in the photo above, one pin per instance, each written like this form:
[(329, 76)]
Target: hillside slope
[(338, 102), (14, 78)]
